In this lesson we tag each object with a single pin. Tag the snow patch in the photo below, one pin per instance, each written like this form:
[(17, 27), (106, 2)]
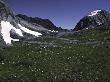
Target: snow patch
[(29, 31), (18, 31), (99, 23), (87, 28), (53, 31), (94, 12), (6, 27)]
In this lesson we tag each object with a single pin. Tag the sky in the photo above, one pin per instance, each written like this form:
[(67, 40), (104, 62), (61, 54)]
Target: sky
[(63, 13)]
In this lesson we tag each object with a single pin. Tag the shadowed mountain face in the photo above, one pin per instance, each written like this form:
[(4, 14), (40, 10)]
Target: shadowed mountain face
[(94, 19)]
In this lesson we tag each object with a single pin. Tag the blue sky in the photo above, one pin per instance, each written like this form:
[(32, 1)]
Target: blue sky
[(63, 13)]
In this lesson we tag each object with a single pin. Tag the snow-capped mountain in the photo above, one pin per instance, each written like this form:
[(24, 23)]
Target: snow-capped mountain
[(96, 18)]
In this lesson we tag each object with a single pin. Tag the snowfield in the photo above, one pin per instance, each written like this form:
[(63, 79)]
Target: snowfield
[(29, 31), (94, 12), (6, 27)]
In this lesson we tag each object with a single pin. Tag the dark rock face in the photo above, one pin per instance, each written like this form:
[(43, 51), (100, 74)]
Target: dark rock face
[(4, 11), (96, 18), (46, 23)]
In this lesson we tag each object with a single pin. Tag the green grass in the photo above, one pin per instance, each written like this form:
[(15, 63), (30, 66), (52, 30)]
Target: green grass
[(30, 62), (85, 35)]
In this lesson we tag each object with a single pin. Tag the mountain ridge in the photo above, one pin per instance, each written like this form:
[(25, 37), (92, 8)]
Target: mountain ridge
[(39, 21)]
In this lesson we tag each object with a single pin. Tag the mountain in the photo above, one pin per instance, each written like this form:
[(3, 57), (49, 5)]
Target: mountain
[(21, 27), (11, 27), (39, 21), (94, 19)]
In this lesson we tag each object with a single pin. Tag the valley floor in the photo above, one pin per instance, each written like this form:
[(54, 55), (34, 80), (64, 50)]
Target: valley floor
[(80, 57)]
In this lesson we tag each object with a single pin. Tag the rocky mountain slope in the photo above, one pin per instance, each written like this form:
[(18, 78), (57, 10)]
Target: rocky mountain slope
[(94, 19), (21, 27), (39, 21), (11, 27)]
